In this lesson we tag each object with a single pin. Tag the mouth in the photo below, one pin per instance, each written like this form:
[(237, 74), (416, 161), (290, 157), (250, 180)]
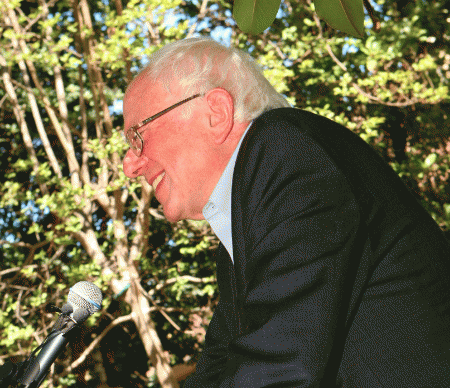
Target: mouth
[(157, 180)]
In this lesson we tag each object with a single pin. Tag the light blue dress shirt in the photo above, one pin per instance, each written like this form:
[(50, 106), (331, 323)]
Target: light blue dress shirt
[(217, 210)]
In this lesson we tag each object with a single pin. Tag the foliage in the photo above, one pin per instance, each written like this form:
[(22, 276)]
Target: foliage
[(344, 15), (67, 212), (254, 16)]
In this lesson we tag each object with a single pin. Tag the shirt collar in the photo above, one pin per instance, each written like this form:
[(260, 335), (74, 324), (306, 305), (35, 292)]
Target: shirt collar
[(217, 210)]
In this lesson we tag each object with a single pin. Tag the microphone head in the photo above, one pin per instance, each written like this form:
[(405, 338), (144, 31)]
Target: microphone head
[(85, 295)]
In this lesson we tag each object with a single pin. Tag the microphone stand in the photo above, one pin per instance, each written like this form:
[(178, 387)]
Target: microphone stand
[(32, 372)]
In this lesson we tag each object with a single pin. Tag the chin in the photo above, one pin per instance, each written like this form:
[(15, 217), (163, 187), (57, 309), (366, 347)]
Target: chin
[(175, 218), (176, 213), (171, 218)]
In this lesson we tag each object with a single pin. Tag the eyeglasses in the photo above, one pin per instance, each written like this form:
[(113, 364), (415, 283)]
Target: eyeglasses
[(134, 138)]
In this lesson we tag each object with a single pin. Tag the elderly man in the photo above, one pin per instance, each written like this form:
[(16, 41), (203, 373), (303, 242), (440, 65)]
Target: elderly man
[(330, 273)]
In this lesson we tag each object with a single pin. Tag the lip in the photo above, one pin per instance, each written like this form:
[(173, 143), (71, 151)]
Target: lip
[(152, 179), (158, 181)]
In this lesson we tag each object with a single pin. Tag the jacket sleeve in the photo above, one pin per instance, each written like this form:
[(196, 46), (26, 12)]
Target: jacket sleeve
[(298, 241), (221, 330), (214, 356)]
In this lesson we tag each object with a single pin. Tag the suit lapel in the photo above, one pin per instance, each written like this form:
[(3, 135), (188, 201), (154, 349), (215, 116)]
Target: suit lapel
[(243, 170), (243, 208), (231, 277), (227, 287)]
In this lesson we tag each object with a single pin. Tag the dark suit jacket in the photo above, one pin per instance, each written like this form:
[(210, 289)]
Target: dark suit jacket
[(340, 277)]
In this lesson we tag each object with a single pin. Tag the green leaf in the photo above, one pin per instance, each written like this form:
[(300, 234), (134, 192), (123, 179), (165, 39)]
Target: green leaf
[(344, 15), (430, 160), (254, 16)]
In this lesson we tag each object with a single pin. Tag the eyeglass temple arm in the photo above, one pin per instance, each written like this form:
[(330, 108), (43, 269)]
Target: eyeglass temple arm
[(169, 109)]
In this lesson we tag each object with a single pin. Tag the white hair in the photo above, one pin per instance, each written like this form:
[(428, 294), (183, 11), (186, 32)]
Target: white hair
[(201, 64)]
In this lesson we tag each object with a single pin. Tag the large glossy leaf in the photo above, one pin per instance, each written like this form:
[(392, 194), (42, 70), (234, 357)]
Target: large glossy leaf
[(344, 15), (254, 16)]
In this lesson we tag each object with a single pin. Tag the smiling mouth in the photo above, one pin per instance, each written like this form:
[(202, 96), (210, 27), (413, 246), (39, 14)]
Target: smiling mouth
[(158, 179)]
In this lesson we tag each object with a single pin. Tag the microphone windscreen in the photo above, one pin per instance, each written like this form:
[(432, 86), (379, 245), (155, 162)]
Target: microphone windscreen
[(85, 295)]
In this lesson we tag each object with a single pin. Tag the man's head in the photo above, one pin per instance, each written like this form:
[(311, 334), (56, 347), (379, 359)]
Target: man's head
[(190, 145)]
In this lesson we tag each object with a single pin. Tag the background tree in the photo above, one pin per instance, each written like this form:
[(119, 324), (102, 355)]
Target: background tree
[(68, 213)]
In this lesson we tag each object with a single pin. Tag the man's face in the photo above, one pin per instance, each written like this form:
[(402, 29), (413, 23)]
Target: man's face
[(178, 150)]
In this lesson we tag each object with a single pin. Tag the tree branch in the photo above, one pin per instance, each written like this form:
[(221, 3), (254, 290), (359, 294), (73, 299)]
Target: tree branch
[(200, 16), (376, 23), (145, 293), (184, 277), (96, 341), (21, 44)]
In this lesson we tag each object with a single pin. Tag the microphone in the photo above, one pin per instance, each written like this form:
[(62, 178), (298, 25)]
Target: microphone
[(85, 295), (84, 299)]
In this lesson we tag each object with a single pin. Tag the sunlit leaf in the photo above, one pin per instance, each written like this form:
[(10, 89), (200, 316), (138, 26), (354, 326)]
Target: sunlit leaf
[(254, 16), (343, 15), (430, 160)]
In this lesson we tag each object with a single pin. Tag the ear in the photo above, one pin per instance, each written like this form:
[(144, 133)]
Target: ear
[(221, 113)]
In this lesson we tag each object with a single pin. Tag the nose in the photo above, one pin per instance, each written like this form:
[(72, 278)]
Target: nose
[(133, 165)]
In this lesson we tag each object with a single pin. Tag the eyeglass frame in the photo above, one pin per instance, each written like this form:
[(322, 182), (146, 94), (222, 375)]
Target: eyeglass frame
[(134, 129)]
